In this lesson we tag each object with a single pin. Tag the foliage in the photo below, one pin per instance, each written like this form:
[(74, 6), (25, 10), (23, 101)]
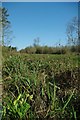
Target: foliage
[(51, 50), (41, 87), (5, 24), (44, 50)]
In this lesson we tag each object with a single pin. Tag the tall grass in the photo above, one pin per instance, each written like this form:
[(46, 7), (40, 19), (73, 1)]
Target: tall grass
[(32, 88)]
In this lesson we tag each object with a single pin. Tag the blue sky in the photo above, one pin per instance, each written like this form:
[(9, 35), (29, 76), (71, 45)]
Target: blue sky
[(46, 20)]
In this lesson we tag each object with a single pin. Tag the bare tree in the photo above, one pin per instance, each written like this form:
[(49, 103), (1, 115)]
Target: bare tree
[(36, 42), (73, 32)]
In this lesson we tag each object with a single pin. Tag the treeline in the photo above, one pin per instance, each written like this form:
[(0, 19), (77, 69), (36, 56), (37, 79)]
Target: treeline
[(6, 50), (50, 50), (42, 50)]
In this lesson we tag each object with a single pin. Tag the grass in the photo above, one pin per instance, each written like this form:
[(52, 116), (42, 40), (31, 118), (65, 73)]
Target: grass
[(41, 87)]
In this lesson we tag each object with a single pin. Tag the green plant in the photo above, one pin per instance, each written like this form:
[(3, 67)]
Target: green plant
[(39, 87), (17, 108)]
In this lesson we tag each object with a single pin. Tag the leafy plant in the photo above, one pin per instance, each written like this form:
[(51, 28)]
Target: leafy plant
[(17, 108)]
